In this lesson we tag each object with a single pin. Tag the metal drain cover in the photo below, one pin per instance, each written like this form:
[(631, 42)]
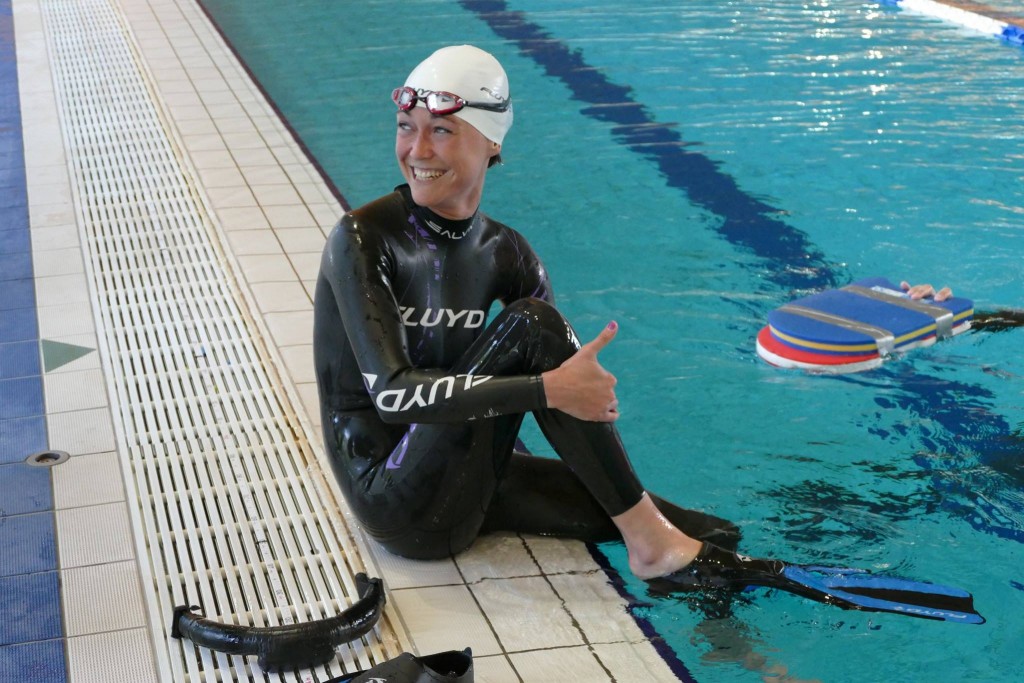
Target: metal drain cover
[(47, 458)]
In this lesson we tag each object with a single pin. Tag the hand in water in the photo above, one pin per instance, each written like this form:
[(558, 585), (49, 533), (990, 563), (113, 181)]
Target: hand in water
[(923, 291)]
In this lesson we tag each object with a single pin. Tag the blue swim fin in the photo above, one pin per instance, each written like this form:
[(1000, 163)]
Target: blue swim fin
[(718, 569), (861, 590)]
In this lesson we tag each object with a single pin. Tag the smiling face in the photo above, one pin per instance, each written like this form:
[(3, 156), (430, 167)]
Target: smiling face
[(444, 160)]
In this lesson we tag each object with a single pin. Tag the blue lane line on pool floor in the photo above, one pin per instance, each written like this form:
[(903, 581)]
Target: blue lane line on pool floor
[(31, 621), (752, 224), (746, 220)]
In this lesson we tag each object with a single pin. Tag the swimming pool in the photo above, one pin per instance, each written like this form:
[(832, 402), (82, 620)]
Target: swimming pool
[(687, 169)]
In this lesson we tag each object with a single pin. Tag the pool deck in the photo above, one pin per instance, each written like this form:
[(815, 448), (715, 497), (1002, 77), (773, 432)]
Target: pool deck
[(81, 593), (530, 608)]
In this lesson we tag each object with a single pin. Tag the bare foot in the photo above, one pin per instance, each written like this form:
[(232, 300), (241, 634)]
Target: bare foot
[(656, 547)]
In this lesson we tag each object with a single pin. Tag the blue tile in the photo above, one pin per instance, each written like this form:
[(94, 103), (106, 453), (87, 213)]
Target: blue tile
[(22, 397), (20, 437), (43, 662), (18, 293), (11, 169), (31, 608), (12, 188), (18, 324), (16, 240), (29, 543), (12, 185), (13, 267), (25, 489), (9, 146), (13, 219), (19, 359)]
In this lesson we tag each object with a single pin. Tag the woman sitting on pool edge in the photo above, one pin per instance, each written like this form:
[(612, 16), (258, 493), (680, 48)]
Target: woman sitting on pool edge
[(421, 404)]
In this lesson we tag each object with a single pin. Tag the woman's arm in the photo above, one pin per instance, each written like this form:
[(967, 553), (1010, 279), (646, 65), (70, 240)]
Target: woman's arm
[(358, 264)]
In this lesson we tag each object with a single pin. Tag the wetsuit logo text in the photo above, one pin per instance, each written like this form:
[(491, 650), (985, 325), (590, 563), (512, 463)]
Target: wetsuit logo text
[(394, 400), (444, 317)]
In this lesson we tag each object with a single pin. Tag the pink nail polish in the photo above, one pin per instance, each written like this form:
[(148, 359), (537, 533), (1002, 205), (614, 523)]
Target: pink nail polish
[(613, 325)]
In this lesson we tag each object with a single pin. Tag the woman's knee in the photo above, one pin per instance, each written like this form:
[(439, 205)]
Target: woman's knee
[(537, 309), (549, 332)]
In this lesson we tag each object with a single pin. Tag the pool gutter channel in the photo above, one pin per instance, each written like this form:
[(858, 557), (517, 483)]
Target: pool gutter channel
[(229, 506)]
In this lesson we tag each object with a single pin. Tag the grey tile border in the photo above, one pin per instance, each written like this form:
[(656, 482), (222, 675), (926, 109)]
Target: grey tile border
[(57, 237), (298, 361), (496, 556), (252, 242), (302, 240), (290, 328), (596, 606), (494, 669), (281, 297), (94, 535), (82, 432), (637, 661), (112, 657), (63, 289), (526, 614), (66, 320), (91, 479), (77, 390), (400, 573), (565, 665), (559, 555), (445, 618), (66, 261), (102, 598)]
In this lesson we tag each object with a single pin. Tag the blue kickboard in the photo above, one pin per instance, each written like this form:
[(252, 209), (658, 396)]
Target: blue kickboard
[(834, 321)]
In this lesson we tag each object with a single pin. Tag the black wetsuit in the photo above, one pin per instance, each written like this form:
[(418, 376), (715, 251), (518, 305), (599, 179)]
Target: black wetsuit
[(422, 403)]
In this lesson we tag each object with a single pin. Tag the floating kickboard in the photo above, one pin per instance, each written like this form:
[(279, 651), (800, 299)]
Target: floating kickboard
[(776, 353), (857, 326)]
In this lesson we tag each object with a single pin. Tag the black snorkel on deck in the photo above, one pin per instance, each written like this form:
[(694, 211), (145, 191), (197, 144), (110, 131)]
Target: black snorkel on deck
[(293, 646)]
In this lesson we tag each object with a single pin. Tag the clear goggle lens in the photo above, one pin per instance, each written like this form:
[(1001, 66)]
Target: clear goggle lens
[(439, 102)]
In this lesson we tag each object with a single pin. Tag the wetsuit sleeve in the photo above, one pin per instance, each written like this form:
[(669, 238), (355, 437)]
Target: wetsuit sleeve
[(359, 264)]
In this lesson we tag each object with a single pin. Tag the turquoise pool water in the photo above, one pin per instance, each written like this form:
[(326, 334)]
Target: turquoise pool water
[(685, 170)]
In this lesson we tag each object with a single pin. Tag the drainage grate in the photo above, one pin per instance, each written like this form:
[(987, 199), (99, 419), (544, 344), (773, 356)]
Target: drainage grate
[(228, 503)]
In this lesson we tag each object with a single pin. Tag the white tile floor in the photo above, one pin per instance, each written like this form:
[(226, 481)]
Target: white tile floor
[(532, 609)]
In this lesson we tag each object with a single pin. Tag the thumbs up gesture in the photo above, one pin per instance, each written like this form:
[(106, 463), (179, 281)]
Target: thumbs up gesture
[(581, 387)]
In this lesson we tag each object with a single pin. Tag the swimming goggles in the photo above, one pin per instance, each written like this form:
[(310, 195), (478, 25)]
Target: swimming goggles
[(440, 103)]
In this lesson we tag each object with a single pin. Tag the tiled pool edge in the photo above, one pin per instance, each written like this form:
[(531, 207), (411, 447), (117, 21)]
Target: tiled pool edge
[(94, 549), (29, 578)]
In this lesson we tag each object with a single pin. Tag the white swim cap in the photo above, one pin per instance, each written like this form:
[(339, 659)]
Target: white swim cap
[(473, 75)]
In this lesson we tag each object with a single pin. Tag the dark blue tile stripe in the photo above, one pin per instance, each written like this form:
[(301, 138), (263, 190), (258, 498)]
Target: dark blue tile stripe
[(29, 543), (20, 359), (39, 661), (32, 645), (20, 437), (29, 612)]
